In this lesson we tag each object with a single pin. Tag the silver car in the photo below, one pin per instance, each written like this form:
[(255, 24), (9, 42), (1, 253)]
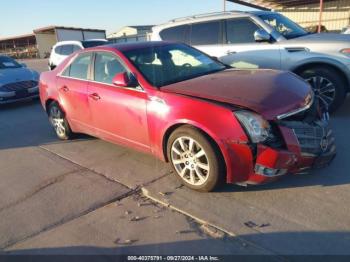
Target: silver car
[(263, 39), (17, 82)]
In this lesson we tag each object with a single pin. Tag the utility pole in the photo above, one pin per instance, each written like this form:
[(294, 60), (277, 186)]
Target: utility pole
[(320, 17), (224, 3)]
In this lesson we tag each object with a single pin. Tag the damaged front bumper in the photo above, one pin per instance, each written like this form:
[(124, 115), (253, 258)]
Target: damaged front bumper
[(305, 145)]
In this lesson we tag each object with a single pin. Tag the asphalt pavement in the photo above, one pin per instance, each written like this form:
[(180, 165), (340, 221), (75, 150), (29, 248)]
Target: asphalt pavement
[(88, 196)]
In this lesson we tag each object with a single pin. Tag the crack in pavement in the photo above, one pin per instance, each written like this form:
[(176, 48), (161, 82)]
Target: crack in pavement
[(138, 189), (71, 218), (53, 181), (83, 167), (228, 234), (39, 188)]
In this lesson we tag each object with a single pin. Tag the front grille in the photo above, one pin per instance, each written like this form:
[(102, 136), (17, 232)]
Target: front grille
[(18, 86), (314, 139)]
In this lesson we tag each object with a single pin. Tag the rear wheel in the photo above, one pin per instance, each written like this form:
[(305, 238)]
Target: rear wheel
[(59, 122), (195, 159), (327, 84)]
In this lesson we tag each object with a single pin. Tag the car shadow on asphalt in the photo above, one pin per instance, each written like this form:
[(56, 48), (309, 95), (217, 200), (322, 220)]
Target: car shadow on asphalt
[(267, 246), (25, 124)]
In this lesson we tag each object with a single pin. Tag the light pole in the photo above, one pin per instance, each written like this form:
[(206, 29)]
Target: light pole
[(224, 3), (320, 17)]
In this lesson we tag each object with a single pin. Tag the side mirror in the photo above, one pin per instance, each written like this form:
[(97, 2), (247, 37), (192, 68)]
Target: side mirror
[(24, 65), (121, 79), (124, 80), (261, 35)]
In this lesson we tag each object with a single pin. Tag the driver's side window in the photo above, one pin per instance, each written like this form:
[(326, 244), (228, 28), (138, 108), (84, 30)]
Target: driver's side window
[(107, 65), (240, 31)]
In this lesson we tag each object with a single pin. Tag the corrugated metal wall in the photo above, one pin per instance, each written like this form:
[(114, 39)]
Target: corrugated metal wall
[(335, 17)]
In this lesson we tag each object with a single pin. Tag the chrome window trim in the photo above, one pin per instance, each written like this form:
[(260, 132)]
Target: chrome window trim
[(93, 53), (101, 83)]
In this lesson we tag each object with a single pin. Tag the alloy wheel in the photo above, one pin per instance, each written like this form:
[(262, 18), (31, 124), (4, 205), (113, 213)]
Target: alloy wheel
[(190, 161), (57, 121), (324, 89)]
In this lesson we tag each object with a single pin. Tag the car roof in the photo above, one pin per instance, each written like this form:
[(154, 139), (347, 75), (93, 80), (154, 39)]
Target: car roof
[(69, 42), (122, 47), (210, 16), (94, 40)]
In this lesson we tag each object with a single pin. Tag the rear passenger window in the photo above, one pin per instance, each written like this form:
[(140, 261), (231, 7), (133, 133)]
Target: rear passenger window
[(67, 50), (76, 48), (79, 68), (176, 34), (240, 31), (106, 67), (206, 33), (58, 50)]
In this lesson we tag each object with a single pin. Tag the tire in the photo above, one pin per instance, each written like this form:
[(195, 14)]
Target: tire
[(59, 122), (329, 80), (198, 171)]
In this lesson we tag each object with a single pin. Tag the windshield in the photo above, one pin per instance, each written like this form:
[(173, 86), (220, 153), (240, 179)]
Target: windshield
[(283, 25), (88, 44), (7, 62), (167, 64)]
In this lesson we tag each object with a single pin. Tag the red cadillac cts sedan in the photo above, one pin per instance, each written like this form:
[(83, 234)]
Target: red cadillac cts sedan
[(211, 122)]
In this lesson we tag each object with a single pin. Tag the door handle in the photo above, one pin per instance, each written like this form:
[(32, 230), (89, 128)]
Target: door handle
[(65, 89), (95, 96)]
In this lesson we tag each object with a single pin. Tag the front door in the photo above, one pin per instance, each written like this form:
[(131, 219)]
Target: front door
[(119, 113), (240, 49)]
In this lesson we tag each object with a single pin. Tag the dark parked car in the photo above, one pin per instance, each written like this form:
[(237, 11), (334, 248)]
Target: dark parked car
[(17, 82)]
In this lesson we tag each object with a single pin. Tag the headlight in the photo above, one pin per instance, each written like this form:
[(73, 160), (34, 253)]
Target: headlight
[(257, 128)]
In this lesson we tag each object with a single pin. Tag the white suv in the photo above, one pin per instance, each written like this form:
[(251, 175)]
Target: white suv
[(262, 39), (63, 49)]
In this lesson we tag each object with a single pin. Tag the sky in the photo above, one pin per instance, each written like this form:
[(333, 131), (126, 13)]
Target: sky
[(21, 17)]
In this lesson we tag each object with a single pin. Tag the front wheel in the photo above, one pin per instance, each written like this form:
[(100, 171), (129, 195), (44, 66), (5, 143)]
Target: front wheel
[(195, 159), (59, 122), (327, 85)]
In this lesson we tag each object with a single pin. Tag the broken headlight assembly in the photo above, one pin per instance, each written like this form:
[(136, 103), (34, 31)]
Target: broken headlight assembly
[(258, 129)]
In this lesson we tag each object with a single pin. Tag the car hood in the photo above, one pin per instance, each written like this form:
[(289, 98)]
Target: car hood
[(267, 92), (17, 75), (323, 37)]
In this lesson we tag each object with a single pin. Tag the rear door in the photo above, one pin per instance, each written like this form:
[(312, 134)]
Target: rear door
[(208, 37), (240, 49), (73, 86), (119, 113)]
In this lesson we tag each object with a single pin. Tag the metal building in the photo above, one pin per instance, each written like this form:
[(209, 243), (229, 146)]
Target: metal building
[(22, 46), (39, 44), (131, 34), (334, 15)]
